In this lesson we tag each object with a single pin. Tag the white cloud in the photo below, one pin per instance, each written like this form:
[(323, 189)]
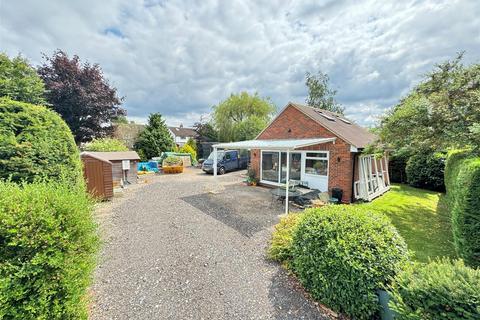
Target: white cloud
[(181, 57)]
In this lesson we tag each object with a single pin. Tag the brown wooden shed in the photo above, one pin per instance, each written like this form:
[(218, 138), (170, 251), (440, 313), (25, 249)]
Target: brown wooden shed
[(105, 170), (98, 175)]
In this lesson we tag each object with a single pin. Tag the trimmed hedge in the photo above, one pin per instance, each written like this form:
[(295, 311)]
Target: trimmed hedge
[(462, 180), (282, 238), (47, 245), (426, 170), (342, 254), (36, 143), (438, 290)]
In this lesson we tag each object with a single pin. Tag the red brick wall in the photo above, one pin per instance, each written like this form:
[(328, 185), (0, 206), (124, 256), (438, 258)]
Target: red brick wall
[(293, 124)]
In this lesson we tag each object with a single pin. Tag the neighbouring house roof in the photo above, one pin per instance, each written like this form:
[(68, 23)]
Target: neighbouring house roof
[(112, 156), (342, 127), (183, 131), (281, 144)]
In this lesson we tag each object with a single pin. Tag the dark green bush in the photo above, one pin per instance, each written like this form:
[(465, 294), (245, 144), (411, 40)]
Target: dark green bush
[(36, 143), (343, 254), (438, 290), (396, 168), (426, 170), (462, 179), (47, 245)]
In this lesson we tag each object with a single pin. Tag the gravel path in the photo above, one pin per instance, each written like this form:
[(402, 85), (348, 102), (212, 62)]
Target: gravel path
[(190, 247)]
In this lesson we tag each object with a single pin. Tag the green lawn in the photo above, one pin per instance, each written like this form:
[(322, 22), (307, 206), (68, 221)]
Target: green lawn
[(421, 217)]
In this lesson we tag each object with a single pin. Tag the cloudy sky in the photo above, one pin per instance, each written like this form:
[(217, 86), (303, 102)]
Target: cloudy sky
[(182, 57)]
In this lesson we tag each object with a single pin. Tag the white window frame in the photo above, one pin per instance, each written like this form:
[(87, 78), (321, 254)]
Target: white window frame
[(303, 154), (279, 169), (305, 158)]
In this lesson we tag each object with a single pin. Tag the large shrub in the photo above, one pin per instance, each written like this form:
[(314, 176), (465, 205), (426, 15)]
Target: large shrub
[(396, 168), (282, 238), (188, 149), (343, 254), (438, 290), (47, 242), (35, 143), (105, 144), (462, 179), (426, 170)]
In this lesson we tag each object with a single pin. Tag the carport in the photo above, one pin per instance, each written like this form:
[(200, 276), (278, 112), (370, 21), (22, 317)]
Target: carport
[(280, 145)]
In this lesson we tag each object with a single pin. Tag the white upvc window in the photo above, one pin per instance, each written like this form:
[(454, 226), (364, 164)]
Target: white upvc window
[(316, 163)]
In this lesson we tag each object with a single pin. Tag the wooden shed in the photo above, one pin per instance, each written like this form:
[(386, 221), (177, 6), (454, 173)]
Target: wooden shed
[(98, 176), (104, 171)]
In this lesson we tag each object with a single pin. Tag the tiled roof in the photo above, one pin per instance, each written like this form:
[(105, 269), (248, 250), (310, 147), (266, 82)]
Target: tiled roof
[(345, 129), (183, 132)]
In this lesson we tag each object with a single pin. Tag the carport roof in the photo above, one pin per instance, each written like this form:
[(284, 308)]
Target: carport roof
[(290, 144)]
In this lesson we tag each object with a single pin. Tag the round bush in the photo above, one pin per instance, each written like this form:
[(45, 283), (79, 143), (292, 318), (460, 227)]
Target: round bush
[(342, 254), (36, 143), (438, 290), (426, 170), (48, 240)]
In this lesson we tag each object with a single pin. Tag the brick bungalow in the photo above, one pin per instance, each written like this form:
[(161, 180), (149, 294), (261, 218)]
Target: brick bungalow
[(325, 151)]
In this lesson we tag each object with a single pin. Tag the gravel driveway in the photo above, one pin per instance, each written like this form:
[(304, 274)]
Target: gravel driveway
[(191, 247)]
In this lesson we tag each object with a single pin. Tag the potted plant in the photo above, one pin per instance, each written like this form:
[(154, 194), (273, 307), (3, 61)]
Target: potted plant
[(251, 178), (172, 164)]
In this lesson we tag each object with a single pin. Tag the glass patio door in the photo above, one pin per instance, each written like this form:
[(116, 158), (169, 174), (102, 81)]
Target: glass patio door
[(295, 166), (274, 166), (270, 166)]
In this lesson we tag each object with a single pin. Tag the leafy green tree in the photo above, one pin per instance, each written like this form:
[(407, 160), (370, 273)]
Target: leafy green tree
[(242, 116), (205, 131), (19, 81), (81, 95), (154, 139), (121, 120), (105, 144), (441, 112), (320, 95)]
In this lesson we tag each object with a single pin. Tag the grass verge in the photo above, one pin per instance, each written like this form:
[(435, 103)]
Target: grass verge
[(421, 217)]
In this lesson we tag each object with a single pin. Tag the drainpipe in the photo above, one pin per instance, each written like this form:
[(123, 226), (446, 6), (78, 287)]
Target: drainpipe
[(353, 176)]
